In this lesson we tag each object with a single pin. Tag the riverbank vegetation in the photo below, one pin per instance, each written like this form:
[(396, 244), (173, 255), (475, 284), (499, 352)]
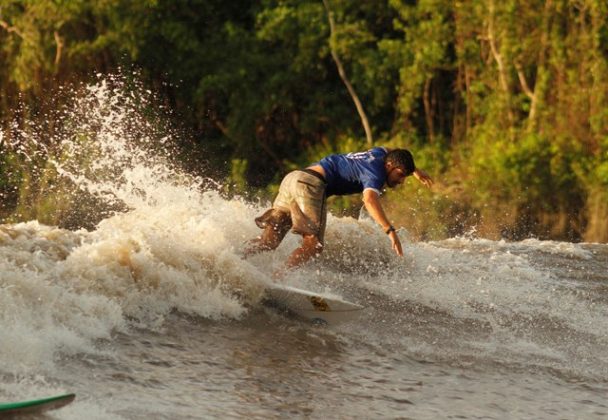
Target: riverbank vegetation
[(505, 102)]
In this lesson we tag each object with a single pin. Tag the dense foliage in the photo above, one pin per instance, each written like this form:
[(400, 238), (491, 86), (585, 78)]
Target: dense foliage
[(505, 102)]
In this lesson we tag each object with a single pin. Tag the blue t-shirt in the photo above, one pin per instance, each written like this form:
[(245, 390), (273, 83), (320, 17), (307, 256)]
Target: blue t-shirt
[(354, 172)]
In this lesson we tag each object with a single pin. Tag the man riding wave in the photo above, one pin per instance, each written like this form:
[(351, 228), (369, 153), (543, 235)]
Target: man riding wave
[(301, 202)]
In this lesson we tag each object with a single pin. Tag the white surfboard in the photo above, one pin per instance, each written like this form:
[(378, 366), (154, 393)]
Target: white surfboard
[(311, 305)]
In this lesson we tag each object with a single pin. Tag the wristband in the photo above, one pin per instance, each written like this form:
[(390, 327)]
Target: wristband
[(390, 229)]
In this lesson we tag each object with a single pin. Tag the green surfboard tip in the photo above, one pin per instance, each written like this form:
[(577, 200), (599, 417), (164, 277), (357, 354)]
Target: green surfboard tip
[(35, 406)]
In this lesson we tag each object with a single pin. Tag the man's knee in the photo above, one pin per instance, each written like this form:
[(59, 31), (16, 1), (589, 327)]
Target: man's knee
[(271, 238)]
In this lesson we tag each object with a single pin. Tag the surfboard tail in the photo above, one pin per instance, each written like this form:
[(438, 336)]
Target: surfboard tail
[(311, 305)]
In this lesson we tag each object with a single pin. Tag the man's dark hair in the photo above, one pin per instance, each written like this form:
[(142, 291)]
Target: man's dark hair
[(401, 158)]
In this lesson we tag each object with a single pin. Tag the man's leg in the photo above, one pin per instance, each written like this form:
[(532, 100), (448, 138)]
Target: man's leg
[(270, 238), (311, 247)]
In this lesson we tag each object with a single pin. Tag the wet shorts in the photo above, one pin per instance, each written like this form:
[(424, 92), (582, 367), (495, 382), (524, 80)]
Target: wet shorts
[(300, 205)]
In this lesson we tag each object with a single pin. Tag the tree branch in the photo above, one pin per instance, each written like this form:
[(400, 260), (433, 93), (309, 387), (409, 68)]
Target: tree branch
[(533, 98), (12, 29), (523, 82), (428, 110), (59, 43), (342, 73), (502, 73), (497, 57)]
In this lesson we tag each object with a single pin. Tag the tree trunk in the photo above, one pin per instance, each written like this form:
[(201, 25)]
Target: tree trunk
[(428, 109)]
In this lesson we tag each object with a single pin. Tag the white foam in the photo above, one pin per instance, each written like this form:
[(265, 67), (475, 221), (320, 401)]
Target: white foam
[(172, 249), (490, 283)]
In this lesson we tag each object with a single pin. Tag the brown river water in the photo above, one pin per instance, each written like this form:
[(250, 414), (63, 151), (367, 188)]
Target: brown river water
[(153, 314)]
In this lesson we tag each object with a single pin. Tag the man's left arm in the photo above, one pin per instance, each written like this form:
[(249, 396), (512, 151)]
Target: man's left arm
[(423, 177)]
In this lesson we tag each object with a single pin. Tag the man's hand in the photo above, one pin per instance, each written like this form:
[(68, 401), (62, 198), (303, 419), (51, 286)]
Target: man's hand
[(423, 177), (396, 243)]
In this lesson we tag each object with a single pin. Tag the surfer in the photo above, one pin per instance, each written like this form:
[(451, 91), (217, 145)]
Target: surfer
[(301, 202)]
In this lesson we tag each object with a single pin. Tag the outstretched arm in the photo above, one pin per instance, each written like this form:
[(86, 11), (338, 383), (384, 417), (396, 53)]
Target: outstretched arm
[(375, 210), (423, 177)]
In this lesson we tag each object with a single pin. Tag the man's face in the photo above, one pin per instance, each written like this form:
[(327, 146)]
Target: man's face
[(396, 176)]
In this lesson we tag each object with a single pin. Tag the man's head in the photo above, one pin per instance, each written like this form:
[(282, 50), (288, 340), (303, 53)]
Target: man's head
[(399, 164)]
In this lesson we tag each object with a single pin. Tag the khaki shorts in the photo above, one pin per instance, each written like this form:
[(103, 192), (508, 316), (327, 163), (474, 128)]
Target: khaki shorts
[(300, 205)]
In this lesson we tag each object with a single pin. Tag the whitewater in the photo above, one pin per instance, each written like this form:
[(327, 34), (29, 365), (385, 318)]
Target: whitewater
[(153, 313)]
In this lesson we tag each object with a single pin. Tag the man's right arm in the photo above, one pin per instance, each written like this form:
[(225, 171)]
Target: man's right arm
[(371, 199)]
